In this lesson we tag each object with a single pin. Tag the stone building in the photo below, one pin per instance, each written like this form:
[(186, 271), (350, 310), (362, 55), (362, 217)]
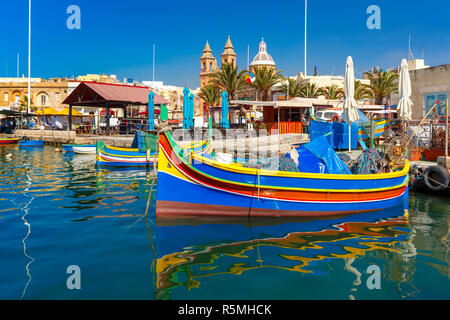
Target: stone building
[(44, 93), (428, 85), (208, 63)]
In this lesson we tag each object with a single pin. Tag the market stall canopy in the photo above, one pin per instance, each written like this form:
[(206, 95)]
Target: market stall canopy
[(101, 94), (47, 112), (65, 112)]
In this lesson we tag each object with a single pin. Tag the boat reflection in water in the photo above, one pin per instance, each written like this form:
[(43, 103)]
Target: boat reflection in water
[(190, 250)]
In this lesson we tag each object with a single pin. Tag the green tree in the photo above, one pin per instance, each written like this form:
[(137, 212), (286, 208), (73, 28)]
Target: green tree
[(332, 92), (24, 104), (229, 79), (310, 90), (210, 94), (315, 71), (382, 84), (362, 91), (266, 78), (294, 87)]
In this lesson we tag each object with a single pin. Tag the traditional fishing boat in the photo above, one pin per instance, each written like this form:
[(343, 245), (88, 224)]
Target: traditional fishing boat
[(190, 184), (31, 143), (9, 140)]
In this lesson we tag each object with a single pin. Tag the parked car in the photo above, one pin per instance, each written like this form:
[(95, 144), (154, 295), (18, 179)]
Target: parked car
[(327, 115)]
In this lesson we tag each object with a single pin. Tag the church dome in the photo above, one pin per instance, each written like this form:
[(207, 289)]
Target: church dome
[(262, 58)]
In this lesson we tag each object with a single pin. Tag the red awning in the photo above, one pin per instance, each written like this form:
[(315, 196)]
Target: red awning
[(99, 94), (111, 112)]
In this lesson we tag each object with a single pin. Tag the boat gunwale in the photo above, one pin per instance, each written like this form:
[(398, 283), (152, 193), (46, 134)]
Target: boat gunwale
[(263, 172)]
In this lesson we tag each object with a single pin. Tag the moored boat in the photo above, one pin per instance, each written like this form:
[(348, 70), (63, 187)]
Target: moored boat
[(196, 185), (133, 157), (84, 149), (31, 143), (9, 140)]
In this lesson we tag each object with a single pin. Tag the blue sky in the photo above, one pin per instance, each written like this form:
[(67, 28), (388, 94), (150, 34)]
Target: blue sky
[(117, 37)]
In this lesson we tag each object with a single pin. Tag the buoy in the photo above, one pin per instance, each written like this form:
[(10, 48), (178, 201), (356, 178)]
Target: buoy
[(336, 117), (436, 178)]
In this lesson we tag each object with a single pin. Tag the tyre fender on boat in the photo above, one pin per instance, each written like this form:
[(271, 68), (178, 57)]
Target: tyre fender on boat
[(436, 178), (335, 118)]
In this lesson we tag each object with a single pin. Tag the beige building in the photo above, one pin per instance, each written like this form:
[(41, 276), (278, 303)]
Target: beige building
[(103, 78), (44, 93), (428, 85), (208, 63)]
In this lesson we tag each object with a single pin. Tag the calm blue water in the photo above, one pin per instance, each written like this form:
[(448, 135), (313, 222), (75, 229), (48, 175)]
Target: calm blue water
[(56, 210)]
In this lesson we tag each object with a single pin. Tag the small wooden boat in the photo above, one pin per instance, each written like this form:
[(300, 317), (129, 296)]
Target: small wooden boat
[(123, 157), (119, 157), (9, 140), (190, 184), (69, 147), (84, 149), (31, 143)]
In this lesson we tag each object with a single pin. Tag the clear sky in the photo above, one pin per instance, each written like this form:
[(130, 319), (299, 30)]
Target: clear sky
[(117, 37)]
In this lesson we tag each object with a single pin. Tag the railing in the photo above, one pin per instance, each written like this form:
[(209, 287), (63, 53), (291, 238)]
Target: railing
[(285, 127)]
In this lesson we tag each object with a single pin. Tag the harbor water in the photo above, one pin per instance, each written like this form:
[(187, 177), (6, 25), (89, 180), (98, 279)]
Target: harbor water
[(57, 210)]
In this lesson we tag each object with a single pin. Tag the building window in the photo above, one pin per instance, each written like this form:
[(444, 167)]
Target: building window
[(5, 97), (57, 97), (430, 101), (17, 99), (43, 100)]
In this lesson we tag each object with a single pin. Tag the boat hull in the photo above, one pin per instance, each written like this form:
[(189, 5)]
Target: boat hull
[(123, 157), (9, 141), (84, 149), (212, 189), (69, 147), (31, 143)]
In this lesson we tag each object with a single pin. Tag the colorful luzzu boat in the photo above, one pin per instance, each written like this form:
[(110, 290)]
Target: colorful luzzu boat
[(124, 157), (8, 141), (197, 185)]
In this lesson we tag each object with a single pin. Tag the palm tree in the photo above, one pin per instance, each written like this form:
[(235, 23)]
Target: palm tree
[(310, 90), (266, 78), (362, 91), (229, 79), (24, 104), (294, 87), (382, 84), (332, 92), (210, 94)]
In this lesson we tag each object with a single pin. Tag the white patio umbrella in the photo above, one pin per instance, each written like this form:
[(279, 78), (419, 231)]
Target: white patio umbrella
[(404, 93), (350, 106)]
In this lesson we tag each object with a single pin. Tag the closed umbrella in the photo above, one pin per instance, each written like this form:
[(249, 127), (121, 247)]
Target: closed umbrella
[(151, 111), (404, 92), (185, 108), (350, 106), (224, 123), (191, 110)]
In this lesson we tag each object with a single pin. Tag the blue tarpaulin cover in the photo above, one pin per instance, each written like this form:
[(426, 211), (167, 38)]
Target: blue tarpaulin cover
[(339, 137), (308, 162), (321, 149)]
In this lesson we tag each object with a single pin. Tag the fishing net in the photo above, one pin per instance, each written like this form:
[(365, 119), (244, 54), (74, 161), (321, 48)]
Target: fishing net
[(284, 164), (369, 162)]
